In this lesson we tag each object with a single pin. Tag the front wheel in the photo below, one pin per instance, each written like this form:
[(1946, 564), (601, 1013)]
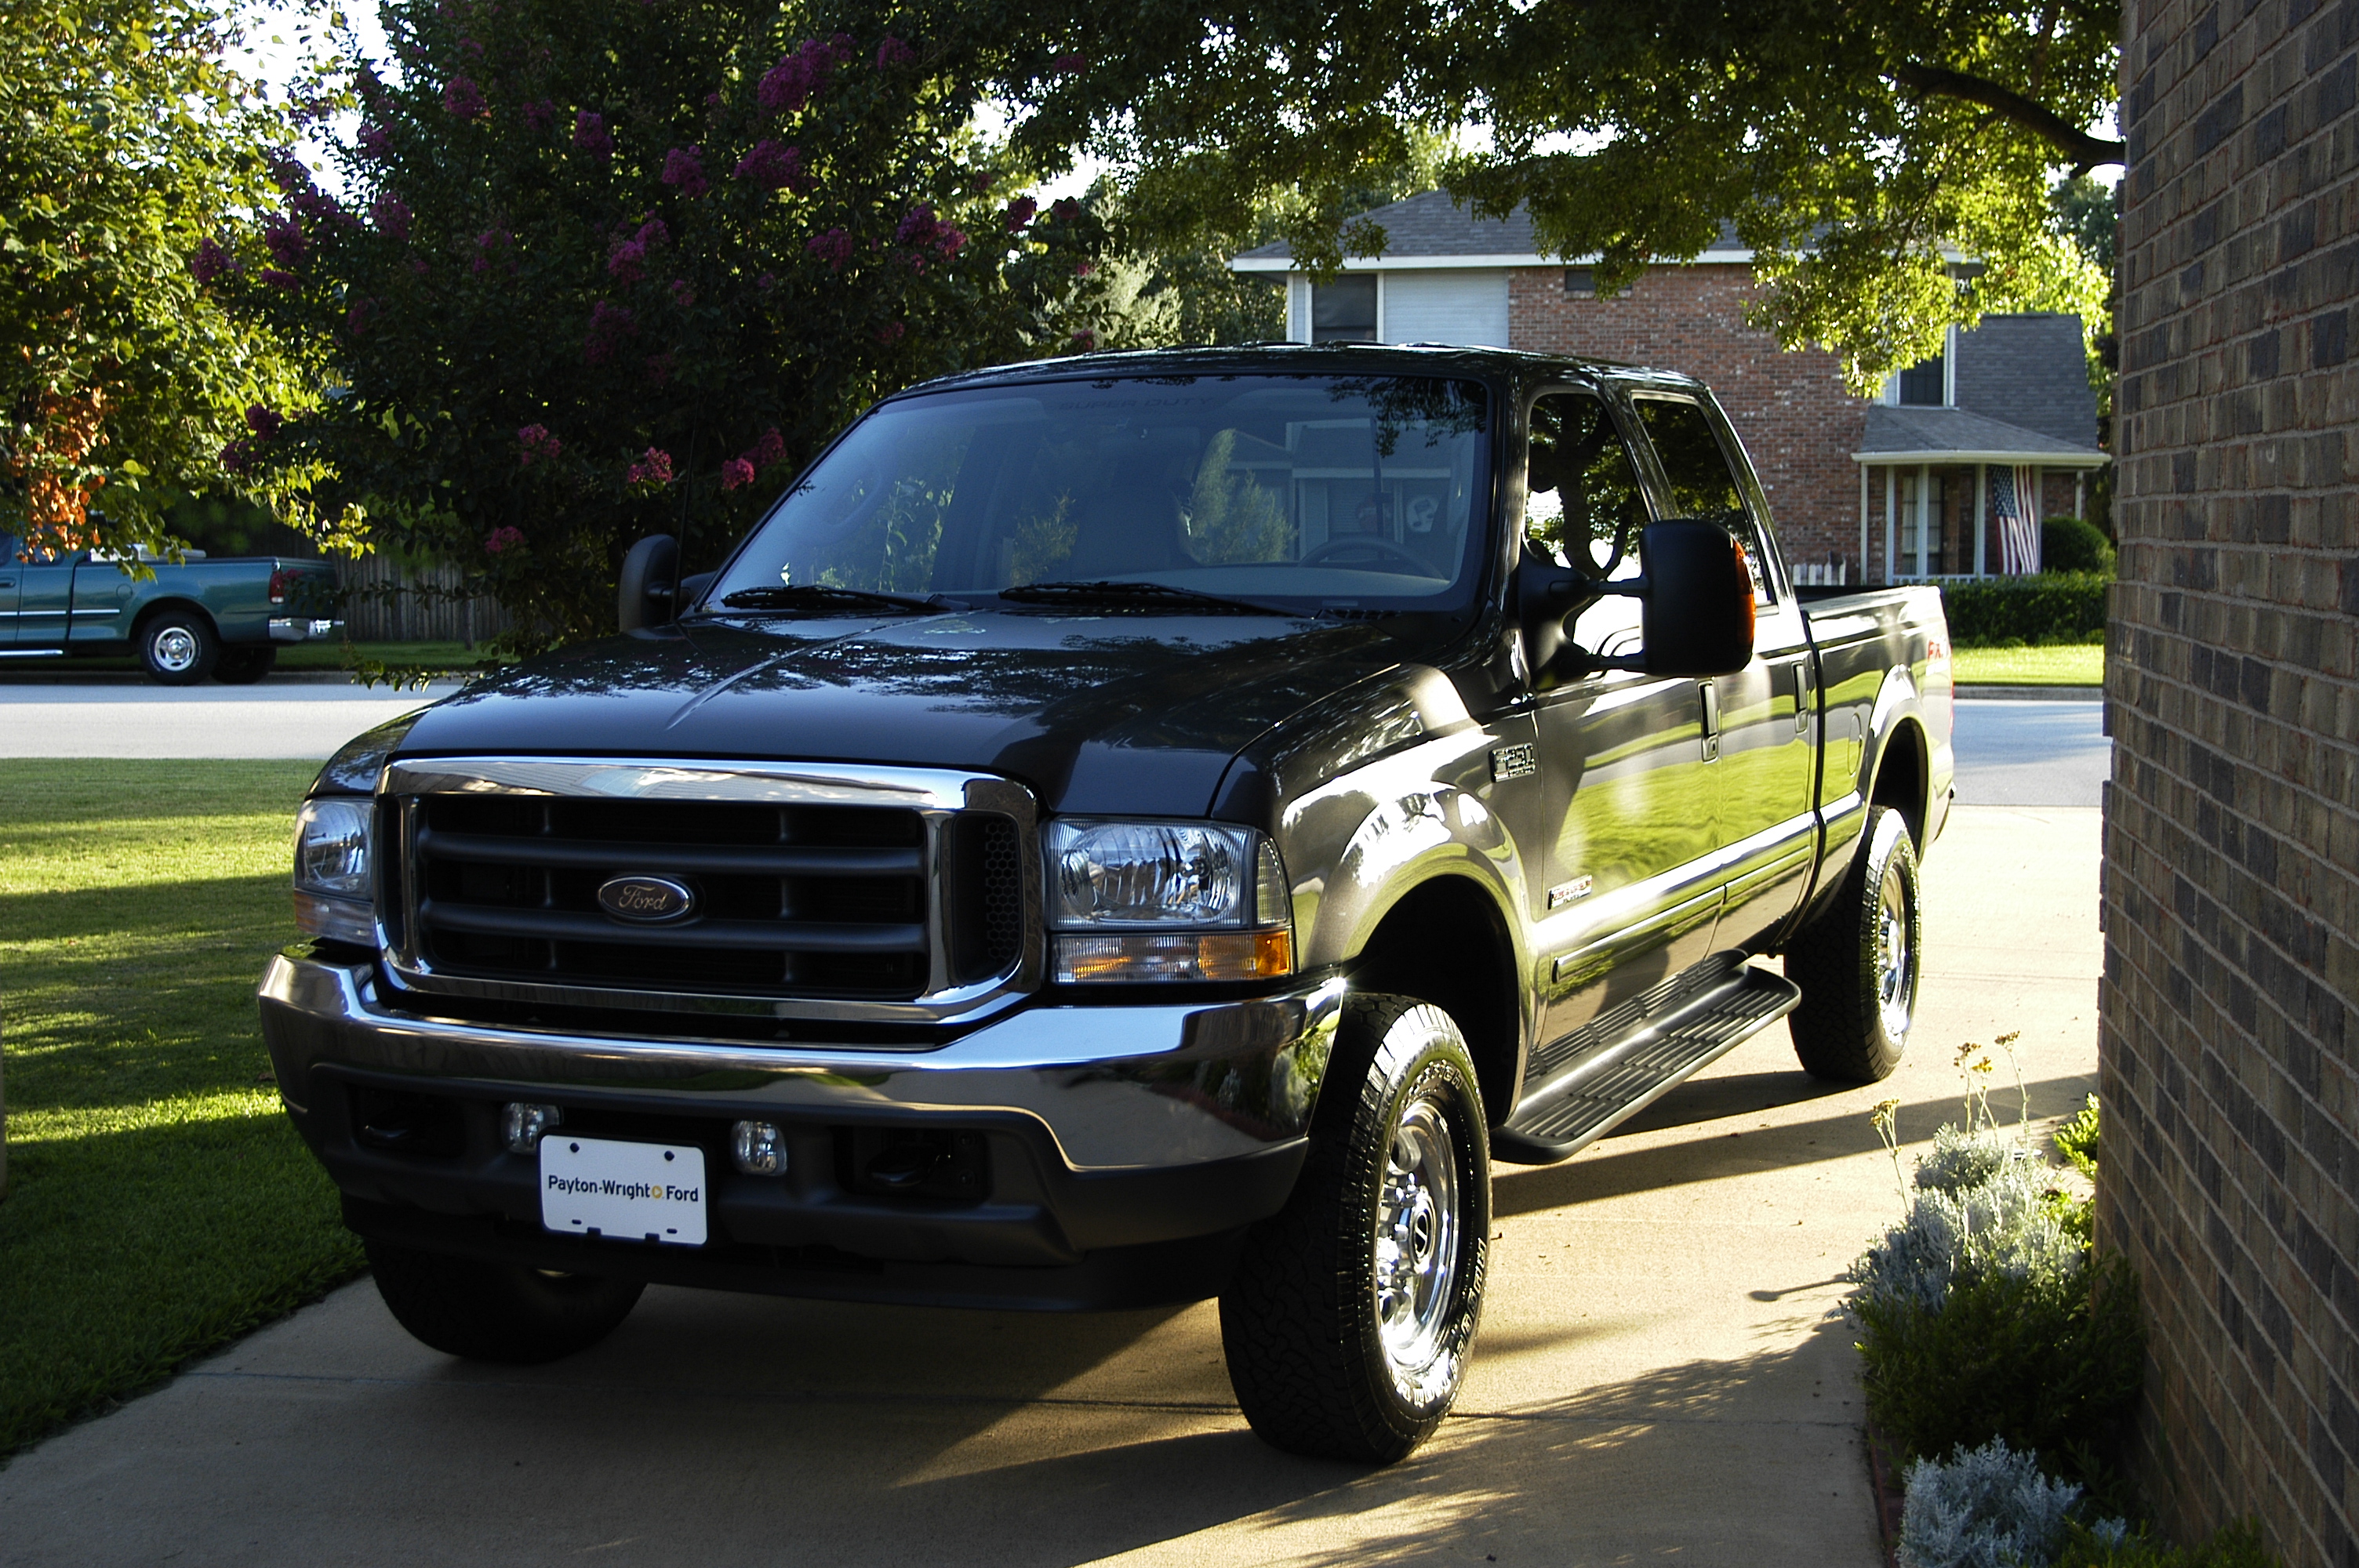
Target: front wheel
[(1857, 964), (498, 1312), (1349, 1319)]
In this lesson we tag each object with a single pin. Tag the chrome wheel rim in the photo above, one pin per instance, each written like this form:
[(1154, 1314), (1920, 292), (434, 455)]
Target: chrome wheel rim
[(1416, 1251), (1896, 955), (175, 649)]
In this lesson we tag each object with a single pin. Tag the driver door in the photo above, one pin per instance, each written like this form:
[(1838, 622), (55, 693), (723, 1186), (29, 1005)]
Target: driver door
[(1632, 887)]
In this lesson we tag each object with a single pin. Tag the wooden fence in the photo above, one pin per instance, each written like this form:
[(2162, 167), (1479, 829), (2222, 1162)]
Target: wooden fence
[(385, 602)]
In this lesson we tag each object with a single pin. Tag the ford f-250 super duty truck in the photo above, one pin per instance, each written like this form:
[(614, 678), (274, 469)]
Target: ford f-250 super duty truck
[(1122, 829)]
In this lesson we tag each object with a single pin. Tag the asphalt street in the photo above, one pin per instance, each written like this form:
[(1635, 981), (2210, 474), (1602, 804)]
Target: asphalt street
[(2009, 753), (1661, 1372)]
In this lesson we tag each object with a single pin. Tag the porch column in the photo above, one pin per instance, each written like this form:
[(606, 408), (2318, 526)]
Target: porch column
[(1891, 520), (2080, 495), (1924, 517), (1862, 522), (1982, 519)]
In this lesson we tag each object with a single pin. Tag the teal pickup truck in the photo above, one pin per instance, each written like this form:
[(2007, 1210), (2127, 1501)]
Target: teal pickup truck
[(201, 618)]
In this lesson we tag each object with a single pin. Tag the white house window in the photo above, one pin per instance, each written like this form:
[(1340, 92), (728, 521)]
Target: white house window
[(1344, 311)]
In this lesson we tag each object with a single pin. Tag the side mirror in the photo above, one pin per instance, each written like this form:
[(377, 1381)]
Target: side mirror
[(1696, 591), (644, 592)]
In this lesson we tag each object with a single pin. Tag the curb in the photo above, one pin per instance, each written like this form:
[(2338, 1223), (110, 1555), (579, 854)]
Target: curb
[(276, 677), (2029, 693)]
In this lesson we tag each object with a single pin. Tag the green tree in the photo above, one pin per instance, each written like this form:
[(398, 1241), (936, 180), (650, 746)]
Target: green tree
[(125, 143), (608, 268), (1889, 164)]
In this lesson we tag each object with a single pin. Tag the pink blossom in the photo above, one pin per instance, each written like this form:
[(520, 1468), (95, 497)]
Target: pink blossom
[(358, 318), (798, 77), (318, 205), (284, 236), (834, 247), (499, 541), (891, 331), (1021, 213), (628, 258), (609, 325), (237, 457), (535, 442), (421, 266), (539, 113), (684, 293), (470, 48), (1066, 211), (736, 472), (684, 166), (779, 167), (211, 262), (892, 52), (654, 469), (1083, 341), (921, 231), (391, 216), (487, 242), (767, 282), (1070, 64), (287, 172), (464, 99), (278, 280), (1083, 268), (591, 135), (375, 144), (659, 369), (771, 449), (265, 423)]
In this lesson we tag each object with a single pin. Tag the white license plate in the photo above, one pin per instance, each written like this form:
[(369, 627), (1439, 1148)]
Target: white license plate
[(628, 1192)]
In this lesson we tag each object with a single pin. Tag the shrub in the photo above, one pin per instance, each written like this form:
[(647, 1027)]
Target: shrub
[(1985, 1507), (2070, 545), (2054, 606), (2238, 1546)]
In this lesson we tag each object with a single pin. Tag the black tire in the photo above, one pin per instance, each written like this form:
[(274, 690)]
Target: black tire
[(1326, 1360), (1858, 963), (498, 1312), (245, 665), (178, 647)]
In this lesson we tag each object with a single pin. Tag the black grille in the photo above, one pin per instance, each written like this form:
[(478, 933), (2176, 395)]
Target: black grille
[(814, 901), (986, 913)]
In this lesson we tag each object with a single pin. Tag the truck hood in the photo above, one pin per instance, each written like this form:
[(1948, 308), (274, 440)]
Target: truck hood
[(1131, 713)]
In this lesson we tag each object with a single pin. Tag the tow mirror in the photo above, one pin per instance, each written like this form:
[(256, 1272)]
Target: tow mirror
[(645, 592), (1696, 589), (1695, 592)]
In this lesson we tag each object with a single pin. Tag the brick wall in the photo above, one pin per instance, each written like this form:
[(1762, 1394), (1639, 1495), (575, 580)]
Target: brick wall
[(1789, 409), (2229, 1046)]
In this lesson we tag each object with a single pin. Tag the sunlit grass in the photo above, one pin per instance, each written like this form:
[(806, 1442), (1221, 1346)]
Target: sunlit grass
[(2070, 663), (158, 1201)]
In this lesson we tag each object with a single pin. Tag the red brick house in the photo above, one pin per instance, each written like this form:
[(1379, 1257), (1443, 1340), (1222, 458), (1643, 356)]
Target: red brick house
[(1862, 491)]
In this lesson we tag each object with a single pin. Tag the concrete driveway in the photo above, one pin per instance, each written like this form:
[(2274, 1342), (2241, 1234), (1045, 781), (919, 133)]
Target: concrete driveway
[(1659, 1373)]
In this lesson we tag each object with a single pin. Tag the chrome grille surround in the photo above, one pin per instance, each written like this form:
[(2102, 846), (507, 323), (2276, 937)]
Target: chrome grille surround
[(939, 798)]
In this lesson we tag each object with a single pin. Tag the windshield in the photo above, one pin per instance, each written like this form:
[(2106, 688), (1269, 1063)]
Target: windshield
[(1305, 492)]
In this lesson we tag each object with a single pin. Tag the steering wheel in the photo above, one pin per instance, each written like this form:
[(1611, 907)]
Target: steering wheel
[(1381, 547)]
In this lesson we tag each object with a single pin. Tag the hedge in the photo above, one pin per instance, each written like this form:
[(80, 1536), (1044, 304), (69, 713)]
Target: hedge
[(2054, 607)]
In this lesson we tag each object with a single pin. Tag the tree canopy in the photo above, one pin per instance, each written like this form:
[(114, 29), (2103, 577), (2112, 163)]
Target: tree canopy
[(125, 140), (1890, 165)]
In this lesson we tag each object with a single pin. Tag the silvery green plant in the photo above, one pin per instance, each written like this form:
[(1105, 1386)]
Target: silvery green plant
[(1986, 1508), (1997, 1225)]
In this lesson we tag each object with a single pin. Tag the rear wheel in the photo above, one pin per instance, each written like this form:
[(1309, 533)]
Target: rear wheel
[(178, 647), (1858, 963), (245, 665), (1349, 1319), (498, 1312)]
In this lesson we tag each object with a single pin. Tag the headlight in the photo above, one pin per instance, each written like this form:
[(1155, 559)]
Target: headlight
[(334, 863), (1208, 901)]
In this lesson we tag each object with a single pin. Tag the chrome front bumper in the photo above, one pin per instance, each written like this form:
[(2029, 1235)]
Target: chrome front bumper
[(1114, 1130)]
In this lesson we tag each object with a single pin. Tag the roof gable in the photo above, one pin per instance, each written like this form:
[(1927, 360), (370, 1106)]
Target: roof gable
[(1432, 226)]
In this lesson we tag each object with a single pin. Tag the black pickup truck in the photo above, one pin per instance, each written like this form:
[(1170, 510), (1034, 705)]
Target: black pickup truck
[(1123, 829)]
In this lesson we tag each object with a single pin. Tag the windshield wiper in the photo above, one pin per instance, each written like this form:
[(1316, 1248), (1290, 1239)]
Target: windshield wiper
[(813, 595), (1103, 592)]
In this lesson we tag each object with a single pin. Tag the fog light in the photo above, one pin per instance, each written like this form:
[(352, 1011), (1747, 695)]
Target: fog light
[(759, 1150), (521, 1125)]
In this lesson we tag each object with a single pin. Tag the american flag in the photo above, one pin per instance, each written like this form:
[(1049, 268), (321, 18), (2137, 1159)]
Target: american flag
[(2018, 523)]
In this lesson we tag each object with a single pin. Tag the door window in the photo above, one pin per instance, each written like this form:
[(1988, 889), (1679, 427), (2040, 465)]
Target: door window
[(1702, 484), (1582, 506)]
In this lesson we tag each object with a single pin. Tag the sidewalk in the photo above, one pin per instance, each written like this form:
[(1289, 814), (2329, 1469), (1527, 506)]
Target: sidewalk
[(1659, 1373)]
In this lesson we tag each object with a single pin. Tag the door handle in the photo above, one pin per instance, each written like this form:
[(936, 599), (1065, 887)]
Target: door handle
[(1802, 697), (1711, 722)]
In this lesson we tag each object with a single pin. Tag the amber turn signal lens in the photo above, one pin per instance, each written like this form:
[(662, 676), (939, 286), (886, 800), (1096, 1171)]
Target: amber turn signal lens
[(1176, 956)]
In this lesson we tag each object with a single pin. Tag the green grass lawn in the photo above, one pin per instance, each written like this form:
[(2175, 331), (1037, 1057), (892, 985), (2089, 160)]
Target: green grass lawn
[(158, 1201), (2072, 663), (322, 656)]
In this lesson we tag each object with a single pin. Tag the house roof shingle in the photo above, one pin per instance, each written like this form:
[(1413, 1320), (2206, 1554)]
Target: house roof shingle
[(1432, 224), (2031, 371), (1960, 432)]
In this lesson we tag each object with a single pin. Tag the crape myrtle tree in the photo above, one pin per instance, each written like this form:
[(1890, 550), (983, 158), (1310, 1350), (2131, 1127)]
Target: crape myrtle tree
[(604, 268), (1890, 164), (125, 140)]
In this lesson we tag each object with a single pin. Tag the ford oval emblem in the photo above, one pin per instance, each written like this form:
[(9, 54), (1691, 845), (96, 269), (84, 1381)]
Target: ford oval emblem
[(646, 900)]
